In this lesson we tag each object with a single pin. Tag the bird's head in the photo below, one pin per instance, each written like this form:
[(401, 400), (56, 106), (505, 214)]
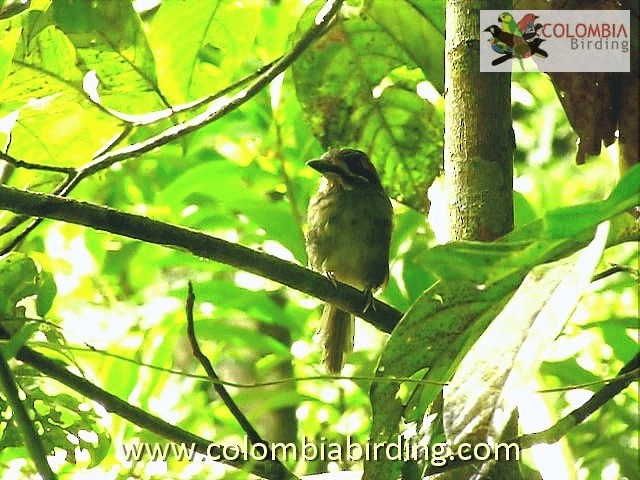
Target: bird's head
[(346, 166), (505, 17)]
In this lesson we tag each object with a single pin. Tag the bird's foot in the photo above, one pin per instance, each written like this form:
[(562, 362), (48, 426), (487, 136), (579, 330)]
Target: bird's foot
[(369, 300), (332, 278)]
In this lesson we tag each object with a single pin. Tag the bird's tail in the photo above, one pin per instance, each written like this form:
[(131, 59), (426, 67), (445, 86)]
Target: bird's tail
[(336, 337)]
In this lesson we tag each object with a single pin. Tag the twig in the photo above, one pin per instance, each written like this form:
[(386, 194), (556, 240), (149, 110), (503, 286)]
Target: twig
[(291, 196), (149, 118), (252, 434), (613, 270), (35, 166), (23, 422), (383, 316), (270, 383), (53, 369)]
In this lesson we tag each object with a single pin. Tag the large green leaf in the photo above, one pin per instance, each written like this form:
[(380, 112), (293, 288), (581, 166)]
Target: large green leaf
[(560, 232), (18, 275), (56, 123), (483, 392), (108, 38), (202, 43), (358, 87), (418, 27)]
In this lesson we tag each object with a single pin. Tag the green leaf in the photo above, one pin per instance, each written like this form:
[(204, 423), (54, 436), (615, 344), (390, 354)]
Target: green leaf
[(523, 212), (46, 290), (56, 124), (108, 38), (568, 221), (433, 336), (17, 281), (203, 44), (560, 232), (418, 28), (627, 187), (472, 261)]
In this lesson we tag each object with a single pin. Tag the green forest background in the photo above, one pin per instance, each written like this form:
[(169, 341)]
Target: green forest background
[(82, 81)]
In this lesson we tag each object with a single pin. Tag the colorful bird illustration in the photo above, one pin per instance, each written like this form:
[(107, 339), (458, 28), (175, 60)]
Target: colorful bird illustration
[(499, 47), (516, 40), (498, 34), (534, 45), (509, 25), (532, 32), (527, 22)]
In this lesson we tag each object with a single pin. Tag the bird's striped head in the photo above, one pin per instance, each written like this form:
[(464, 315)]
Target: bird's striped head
[(346, 166)]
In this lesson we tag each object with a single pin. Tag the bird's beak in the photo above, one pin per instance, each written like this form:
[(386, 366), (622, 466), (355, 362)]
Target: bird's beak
[(322, 166)]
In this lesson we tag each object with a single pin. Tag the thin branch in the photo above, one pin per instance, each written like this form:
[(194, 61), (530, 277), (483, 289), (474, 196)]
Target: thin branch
[(576, 386), (115, 140), (382, 316), (53, 369), (291, 195), (23, 422), (149, 118), (35, 166), (227, 383), (253, 436), (613, 270)]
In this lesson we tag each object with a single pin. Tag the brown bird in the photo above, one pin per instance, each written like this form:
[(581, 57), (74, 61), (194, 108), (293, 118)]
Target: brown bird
[(349, 233)]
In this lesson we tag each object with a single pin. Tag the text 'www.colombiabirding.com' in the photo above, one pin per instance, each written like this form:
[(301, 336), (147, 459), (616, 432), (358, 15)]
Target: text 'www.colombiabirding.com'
[(438, 454)]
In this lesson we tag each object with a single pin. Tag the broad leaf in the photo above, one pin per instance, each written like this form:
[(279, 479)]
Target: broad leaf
[(483, 393)]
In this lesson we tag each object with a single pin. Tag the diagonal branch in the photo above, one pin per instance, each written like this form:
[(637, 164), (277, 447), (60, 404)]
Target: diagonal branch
[(580, 414), (25, 425), (382, 316), (253, 435)]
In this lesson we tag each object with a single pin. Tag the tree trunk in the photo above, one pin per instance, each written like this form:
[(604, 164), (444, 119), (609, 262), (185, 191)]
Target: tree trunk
[(478, 152)]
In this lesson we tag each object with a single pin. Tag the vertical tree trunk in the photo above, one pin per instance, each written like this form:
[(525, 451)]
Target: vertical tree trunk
[(478, 151), (478, 143)]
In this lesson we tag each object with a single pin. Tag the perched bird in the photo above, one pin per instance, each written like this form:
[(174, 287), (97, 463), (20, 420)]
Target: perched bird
[(348, 238)]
